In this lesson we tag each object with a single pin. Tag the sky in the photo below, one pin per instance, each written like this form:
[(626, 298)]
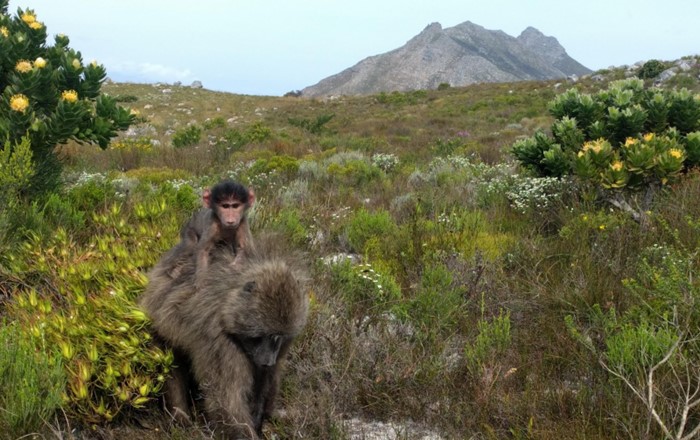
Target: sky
[(264, 47)]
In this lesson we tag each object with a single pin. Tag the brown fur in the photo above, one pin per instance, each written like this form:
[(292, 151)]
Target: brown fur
[(217, 225), (223, 329)]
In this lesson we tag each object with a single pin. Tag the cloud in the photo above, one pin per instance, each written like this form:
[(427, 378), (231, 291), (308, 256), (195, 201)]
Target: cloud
[(146, 72)]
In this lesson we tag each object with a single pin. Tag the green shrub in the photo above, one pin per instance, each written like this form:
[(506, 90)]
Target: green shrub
[(354, 172), (437, 306), (385, 161), (316, 126), (235, 139), (286, 165), (90, 193), (49, 95), (447, 147), (217, 122), (32, 381), (364, 288), (622, 137), (290, 225), (157, 176), (60, 213), (187, 137), (365, 225), (492, 341), (80, 297), (126, 98), (258, 132), (16, 169), (402, 98), (647, 345), (651, 69)]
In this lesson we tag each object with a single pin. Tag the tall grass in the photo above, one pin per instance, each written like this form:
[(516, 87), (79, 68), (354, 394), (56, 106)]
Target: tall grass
[(32, 381)]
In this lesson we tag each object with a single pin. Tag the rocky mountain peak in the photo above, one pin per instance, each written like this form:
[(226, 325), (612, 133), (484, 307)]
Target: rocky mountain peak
[(464, 54)]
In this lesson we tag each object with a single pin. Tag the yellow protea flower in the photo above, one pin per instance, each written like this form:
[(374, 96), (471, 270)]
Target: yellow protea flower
[(19, 103), (36, 25), (649, 137), (630, 141), (4, 31), (39, 63), (675, 153), (94, 63), (134, 112), (69, 95), (581, 153), (594, 146), (76, 64), (616, 166), (28, 17), (23, 66)]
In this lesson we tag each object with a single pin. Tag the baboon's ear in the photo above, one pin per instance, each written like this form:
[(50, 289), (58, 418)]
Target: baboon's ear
[(249, 287)]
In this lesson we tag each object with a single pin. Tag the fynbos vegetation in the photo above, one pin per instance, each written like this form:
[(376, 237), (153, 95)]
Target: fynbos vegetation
[(497, 261)]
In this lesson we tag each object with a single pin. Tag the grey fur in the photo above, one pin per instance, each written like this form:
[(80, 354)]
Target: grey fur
[(235, 330)]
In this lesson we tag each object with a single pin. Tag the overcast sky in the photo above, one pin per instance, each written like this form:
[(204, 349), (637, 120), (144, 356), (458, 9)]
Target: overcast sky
[(264, 47)]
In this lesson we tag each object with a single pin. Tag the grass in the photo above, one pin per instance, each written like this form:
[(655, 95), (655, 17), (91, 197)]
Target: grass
[(459, 313)]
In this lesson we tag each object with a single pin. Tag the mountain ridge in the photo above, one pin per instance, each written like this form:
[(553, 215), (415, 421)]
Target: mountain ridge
[(460, 55)]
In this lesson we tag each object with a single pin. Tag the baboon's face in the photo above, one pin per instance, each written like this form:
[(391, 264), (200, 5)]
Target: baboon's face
[(263, 351), (230, 211)]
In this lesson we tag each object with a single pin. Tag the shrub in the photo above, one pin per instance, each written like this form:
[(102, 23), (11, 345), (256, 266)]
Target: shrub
[(651, 69), (32, 381), (129, 153), (289, 223), (385, 161), (363, 287), (258, 132), (80, 297), (217, 122), (156, 176), (285, 165), (49, 95), (186, 137), (90, 193), (316, 126), (16, 170), (365, 225), (447, 147), (354, 172), (622, 137), (492, 341), (646, 346), (60, 213), (437, 306), (402, 98)]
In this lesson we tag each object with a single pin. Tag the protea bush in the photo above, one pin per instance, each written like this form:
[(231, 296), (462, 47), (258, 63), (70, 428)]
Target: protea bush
[(50, 95), (623, 137)]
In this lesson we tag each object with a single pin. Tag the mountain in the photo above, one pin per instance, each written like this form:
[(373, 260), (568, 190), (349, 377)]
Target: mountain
[(460, 55)]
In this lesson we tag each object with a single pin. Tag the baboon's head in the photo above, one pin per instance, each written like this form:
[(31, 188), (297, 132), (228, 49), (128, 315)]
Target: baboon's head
[(266, 310)]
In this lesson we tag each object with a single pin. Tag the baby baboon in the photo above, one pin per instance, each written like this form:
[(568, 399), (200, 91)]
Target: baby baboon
[(222, 222), (236, 331)]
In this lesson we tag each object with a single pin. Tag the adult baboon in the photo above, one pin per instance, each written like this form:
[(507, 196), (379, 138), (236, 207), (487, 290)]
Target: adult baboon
[(235, 329), (222, 222)]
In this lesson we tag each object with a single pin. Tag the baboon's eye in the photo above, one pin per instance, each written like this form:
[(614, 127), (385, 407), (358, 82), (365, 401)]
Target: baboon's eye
[(249, 287)]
